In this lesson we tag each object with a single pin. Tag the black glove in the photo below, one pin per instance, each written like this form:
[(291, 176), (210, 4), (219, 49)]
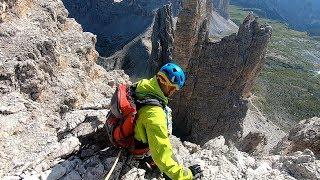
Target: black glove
[(196, 171)]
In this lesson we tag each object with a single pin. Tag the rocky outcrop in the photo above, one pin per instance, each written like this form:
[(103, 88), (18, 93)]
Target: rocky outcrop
[(306, 135), (52, 92), (116, 24), (144, 55), (191, 30), (162, 40), (6, 8), (226, 162), (224, 71), (148, 44), (254, 143), (3, 10), (255, 121), (54, 98), (219, 161)]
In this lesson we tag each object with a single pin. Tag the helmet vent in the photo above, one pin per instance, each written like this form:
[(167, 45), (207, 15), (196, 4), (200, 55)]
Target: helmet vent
[(174, 70), (166, 72), (173, 79)]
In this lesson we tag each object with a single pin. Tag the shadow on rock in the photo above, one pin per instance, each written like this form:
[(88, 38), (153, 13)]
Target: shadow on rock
[(95, 159)]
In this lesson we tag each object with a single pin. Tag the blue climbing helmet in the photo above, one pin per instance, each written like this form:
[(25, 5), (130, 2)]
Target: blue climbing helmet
[(174, 73)]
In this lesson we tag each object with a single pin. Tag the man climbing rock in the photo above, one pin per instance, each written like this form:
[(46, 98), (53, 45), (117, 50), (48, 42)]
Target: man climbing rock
[(151, 126), (139, 121)]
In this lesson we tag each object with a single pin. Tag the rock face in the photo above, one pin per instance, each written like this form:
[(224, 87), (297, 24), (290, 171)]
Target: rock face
[(146, 53), (116, 24), (162, 40), (219, 161), (51, 88), (54, 98), (255, 121), (137, 36), (306, 135), (13, 7), (254, 143), (224, 71), (226, 162)]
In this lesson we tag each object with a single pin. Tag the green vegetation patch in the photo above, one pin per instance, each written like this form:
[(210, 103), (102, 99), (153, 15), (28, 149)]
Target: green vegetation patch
[(288, 89)]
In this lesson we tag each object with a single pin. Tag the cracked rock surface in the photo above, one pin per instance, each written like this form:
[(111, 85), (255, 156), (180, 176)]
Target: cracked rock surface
[(220, 74), (50, 85), (305, 135), (54, 98), (137, 36), (220, 161)]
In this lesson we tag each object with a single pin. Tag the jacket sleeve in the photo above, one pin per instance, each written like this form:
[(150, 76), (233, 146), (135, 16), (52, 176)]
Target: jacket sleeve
[(161, 149)]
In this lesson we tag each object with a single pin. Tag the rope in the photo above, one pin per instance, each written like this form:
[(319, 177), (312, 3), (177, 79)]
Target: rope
[(113, 166)]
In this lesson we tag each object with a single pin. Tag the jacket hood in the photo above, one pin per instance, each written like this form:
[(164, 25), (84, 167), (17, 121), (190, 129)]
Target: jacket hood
[(150, 88)]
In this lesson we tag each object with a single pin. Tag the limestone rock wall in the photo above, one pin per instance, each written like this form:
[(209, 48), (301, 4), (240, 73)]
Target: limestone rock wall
[(52, 92), (222, 161), (6, 8), (137, 36), (143, 56), (191, 30), (218, 159), (54, 98), (306, 135), (162, 40), (219, 74), (116, 24)]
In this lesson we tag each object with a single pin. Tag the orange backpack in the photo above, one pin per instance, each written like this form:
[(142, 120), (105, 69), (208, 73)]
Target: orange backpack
[(122, 116)]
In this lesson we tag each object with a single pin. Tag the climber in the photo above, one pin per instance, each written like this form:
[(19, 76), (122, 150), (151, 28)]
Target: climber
[(151, 126)]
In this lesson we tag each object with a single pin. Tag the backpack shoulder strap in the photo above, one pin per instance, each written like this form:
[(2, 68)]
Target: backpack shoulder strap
[(145, 101)]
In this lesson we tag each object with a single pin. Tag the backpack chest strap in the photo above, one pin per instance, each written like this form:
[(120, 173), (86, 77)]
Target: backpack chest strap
[(153, 102)]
